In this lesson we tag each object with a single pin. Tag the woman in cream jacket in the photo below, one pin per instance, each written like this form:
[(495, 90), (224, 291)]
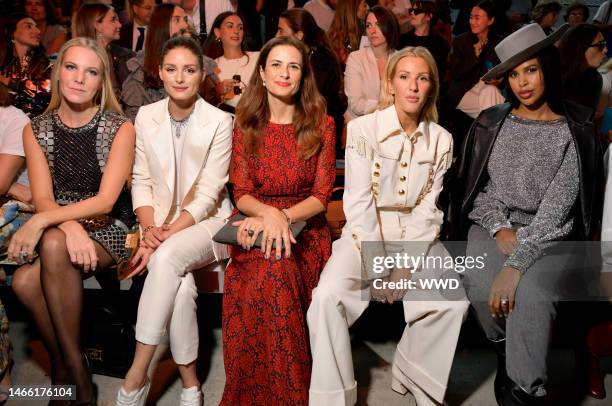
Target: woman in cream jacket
[(396, 159), (183, 148), (366, 67)]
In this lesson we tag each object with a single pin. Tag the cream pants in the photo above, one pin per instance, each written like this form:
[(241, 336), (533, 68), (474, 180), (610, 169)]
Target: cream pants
[(168, 300), (425, 352)]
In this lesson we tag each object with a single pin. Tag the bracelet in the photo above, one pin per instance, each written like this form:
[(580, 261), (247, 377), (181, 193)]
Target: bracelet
[(145, 231), (289, 221)]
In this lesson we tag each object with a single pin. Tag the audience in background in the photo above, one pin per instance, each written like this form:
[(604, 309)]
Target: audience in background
[(52, 34), (472, 55), (583, 49), (24, 66), (298, 23), (100, 22), (423, 16), (576, 13), (347, 28), (235, 64), (323, 12), (365, 68), (143, 85), (546, 13), (134, 32)]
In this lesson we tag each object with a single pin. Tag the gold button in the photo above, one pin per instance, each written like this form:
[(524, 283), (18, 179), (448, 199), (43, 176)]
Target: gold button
[(376, 173), (402, 178), (401, 192), (354, 236), (376, 165), (404, 164), (374, 183)]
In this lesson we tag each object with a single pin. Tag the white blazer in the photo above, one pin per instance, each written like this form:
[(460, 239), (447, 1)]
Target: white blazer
[(361, 82), (204, 163)]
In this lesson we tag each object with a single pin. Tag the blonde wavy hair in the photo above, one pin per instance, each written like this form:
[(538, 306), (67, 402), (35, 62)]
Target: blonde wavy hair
[(105, 96), (429, 112)]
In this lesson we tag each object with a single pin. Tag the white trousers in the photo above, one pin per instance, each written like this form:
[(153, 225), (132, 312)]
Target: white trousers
[(424, 355), (168, 300), (479, 98)]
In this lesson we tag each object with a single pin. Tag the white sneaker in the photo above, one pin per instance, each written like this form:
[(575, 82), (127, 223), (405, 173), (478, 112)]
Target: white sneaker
[(191, 396), (134, 398)]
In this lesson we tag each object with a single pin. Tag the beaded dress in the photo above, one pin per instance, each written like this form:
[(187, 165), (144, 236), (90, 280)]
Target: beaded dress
[(77, 159)]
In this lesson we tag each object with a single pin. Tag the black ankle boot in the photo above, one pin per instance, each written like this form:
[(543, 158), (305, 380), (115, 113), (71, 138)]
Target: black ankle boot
[(515, 396), (499, 385)]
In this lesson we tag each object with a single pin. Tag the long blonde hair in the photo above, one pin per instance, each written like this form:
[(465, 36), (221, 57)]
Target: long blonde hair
[(429, 112), (106, 96)]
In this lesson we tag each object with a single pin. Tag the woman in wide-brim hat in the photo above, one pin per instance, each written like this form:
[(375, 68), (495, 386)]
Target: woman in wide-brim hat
[(528, 171)]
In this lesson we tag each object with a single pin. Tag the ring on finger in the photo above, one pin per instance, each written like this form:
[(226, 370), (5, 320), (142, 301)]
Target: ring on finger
[(503, 301), (23, 256), (250, 233)]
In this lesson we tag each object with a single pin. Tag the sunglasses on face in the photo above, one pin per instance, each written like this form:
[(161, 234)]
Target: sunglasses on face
[(415, 11), (599, 45)]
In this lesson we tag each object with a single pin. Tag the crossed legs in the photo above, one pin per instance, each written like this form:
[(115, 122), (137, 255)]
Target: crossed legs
[(52, 290)]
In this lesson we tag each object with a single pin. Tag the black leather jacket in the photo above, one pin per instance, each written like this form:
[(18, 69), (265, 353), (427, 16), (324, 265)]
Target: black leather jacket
[(478, 145)]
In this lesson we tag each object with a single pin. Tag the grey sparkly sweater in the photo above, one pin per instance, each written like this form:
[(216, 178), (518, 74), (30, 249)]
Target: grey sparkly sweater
[(533, 184)]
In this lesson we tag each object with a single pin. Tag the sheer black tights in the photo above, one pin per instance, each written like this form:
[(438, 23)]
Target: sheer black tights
[(52, 290)]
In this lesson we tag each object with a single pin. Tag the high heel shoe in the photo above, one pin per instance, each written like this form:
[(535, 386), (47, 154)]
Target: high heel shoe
[(402, 385), (134, 398)]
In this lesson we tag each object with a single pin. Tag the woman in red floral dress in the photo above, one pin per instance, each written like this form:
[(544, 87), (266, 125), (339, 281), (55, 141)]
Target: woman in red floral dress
[(283, 169)]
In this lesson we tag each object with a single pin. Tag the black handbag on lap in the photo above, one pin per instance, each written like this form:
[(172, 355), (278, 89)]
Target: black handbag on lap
[(227, 235)]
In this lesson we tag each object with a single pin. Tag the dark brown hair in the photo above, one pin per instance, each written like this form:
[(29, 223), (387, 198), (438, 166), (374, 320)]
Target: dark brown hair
[(159, 33), (387, 22), (213, 48), (253, 111), (38, 58), (5, 97), (314, 37), (182, 41)]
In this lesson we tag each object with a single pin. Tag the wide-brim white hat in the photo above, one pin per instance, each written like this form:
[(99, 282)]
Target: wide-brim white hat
[(522, 45)]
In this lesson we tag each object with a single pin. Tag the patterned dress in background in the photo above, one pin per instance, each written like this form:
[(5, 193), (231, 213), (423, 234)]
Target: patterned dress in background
[(265, 338), (77, 158)]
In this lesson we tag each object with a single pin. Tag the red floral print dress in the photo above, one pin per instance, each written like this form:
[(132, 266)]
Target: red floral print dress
[(265, 339)]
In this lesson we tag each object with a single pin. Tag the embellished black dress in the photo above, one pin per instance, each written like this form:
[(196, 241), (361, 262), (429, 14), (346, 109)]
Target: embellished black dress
[(77, 158)]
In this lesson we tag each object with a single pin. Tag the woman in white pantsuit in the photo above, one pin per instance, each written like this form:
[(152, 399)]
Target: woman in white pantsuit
[(180, 170), (396, 159)]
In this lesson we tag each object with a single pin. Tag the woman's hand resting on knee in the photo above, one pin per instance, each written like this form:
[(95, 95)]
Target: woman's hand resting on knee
[(80, 246), (503, 292), (23, 242)]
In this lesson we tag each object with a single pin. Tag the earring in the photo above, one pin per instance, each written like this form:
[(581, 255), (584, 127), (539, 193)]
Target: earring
[(98, 35), (264, 83), (218, 40)]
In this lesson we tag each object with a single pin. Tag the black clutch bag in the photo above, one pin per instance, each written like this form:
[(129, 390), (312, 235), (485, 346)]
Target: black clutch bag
[(227, 235)]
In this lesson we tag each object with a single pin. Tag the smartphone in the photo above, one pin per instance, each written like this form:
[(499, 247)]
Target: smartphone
[(237, 88)]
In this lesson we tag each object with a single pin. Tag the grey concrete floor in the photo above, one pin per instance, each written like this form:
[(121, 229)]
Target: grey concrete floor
[(471, 381)]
